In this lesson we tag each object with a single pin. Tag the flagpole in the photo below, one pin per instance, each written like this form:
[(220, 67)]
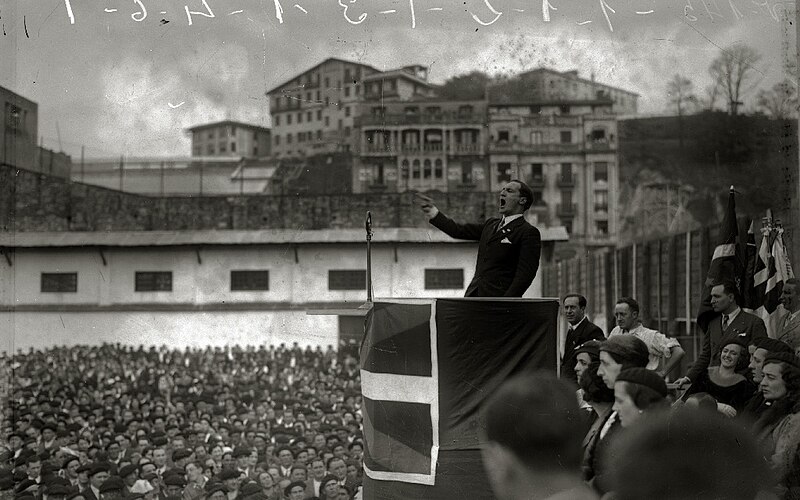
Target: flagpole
[(368, 226)]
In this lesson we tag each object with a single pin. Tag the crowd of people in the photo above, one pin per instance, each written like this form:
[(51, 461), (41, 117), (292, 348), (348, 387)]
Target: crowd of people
[(118, 422), (115, 422)]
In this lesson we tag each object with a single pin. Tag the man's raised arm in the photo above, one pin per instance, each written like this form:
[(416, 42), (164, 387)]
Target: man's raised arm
[(446, 224)]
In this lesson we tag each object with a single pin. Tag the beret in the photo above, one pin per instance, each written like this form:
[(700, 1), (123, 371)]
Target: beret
[(250, 488), (591, 347), (293, 484), (128, 470), (76, 494), (114, 483), (68, 460), (98, 468), (229, 474), (241, 451), (175, 480), (181, 454), (628, 348), (645, 377), (58, 490), (772, 345), (784, 357), (214, 487)]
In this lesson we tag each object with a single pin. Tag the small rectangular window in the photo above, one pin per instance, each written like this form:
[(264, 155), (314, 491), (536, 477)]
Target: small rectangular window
[(277, 120), (59, 282), (153, 281), (349, 279), (566, 136), (444, 279), (249, 280)]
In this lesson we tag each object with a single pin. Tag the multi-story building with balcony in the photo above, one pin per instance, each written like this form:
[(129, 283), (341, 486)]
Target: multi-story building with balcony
[(314, 111), (566, 152), (422, 144), (230, 139)]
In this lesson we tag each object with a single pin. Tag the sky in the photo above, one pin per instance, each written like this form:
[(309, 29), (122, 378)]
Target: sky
[(127, 77)]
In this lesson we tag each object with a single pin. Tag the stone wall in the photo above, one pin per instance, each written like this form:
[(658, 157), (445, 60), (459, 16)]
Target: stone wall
[(31, 201)]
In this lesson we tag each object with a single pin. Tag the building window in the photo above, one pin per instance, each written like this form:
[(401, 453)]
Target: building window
[(404, 169), (327, 82), (566, 172), (411, 110), (288, 138), (538, 198), (438, 169), (566, 136), (300, 117), (347, 74), (444, 279), (599, 135), (377, 174), (350, 279), (319, 135), (153, 281), (277, 140), (327, 121), (319, 115), (15, 117), (288, 119), (210, 149), (466, 172), (415, 170), (465, 110), (601, 201), (347, 111), (426, 169), (564, 110), (536, 137), (566, 199), (340, 124), (59, 282), (277, 120), (601, 227), (255, 150), (233, 147), (433, 110), (318, 96), (347, 91), (503, 172), (242, 281), (223, 147), (308, 96), (301, 136), (537, 173), (347, 131), (197, 151), (502, 135), (601, 171), (309, 116)]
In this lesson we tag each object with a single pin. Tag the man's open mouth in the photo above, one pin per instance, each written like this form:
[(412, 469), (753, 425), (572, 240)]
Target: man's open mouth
[(502, 202)]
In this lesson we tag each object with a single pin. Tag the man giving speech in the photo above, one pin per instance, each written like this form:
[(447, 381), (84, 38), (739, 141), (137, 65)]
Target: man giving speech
[(509, 248)]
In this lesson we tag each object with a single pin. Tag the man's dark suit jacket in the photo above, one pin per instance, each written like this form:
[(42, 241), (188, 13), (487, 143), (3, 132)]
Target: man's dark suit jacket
[(502, 269), (585, 332), (746, 325)]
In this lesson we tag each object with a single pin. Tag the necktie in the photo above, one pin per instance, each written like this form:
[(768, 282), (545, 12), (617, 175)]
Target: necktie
[(500, 224), (724, 322)]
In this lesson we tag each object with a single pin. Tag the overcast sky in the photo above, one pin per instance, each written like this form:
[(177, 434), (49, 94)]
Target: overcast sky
[(122, 86)]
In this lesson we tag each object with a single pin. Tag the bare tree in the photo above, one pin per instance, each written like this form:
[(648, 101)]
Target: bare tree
[(780, 101), (710, 96), (680, 92), (733, 70)]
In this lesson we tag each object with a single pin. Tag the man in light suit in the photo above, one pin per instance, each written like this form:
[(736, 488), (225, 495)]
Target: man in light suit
[(732, 320), (790, 325), (580, 331), (509, 248)]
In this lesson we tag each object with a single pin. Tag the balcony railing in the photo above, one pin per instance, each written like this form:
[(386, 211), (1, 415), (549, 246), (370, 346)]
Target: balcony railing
[(566, 211), (566, 181), (412, 149), (552, 120), (600, 145), (468, 149), (389, 119), (519, 147)]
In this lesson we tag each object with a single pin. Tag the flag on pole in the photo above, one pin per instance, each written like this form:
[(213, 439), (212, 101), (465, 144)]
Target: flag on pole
[(427, 366), (771, 272), (726, 262)]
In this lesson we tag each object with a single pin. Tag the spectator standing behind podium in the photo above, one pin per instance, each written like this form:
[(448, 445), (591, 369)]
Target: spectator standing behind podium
[(533, 430), (580, 331), (790, 325), (732, 321), (665, 352), (509, 247)]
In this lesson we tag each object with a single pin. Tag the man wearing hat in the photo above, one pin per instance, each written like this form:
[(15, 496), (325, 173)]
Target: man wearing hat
[(665, 353), (216, 491), (195, 483), (129, 474), (230, 478), (181, 457), (580, 331), (98, 474), (242, 456), (174, 484), (112, 489), (70, 467), (762, 348)]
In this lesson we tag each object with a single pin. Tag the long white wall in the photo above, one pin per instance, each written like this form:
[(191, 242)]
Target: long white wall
[(102, 310)]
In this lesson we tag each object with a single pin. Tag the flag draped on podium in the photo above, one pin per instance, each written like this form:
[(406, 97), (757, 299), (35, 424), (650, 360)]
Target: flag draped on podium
[(427, 366)]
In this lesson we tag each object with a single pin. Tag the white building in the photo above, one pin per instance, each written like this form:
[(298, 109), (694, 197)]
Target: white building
[(197, 288)]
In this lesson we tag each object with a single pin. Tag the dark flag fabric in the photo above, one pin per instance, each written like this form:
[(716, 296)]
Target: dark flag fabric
[(726, 264), (427, 366), (772, 269)]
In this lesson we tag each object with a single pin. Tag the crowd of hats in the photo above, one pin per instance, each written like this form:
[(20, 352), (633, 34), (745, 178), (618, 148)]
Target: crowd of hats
[(71, 404)]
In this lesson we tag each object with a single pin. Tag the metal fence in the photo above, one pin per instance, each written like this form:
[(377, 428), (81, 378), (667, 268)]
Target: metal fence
[(664, 275)]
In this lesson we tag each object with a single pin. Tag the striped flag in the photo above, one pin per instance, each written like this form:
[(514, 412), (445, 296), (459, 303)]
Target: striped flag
[(427, 365), (771, 271), (726, 263)]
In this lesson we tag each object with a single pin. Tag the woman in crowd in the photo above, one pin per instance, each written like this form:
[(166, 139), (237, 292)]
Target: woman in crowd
[(725, 383), (778, 428), (636, 391), (593, 390), (615, 354)]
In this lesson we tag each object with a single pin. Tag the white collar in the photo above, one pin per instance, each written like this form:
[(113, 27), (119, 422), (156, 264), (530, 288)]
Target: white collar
[(575, 326), (733, 315), (508, 218)]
